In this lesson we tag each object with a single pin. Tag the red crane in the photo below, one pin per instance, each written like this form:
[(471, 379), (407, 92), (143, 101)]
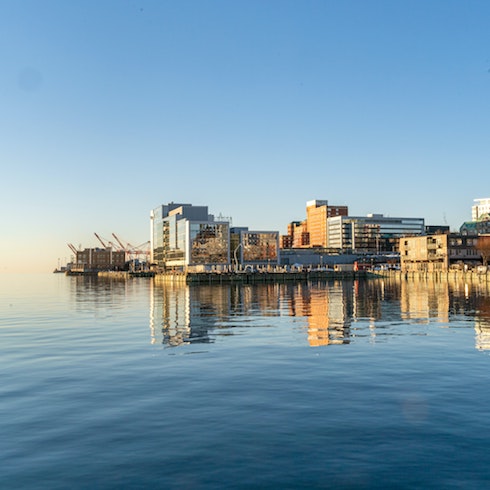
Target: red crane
[(140, 252)]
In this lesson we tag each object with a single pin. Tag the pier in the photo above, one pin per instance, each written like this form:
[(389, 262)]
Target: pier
[(469, 276), (257, 277)]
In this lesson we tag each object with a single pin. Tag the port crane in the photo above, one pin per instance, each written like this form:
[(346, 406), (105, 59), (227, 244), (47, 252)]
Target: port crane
[(119, 242), (140, 252), (72, 248), (100, 240)]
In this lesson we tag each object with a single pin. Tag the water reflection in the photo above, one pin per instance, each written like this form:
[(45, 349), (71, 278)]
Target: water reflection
[(339, 312), (102, 296), (482, 322)]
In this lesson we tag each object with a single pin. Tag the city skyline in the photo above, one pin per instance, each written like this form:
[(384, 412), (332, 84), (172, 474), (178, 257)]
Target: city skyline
[(250, 108)]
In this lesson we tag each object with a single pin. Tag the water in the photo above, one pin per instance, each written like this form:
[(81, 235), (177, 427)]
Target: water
[(371, 384)]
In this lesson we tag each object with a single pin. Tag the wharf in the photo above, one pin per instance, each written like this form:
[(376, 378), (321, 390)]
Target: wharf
[(124, 274), (469, 276), (111, 274), (256, 277)]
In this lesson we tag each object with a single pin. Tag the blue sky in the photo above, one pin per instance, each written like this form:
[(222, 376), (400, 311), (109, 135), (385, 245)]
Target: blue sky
[(110, 108)]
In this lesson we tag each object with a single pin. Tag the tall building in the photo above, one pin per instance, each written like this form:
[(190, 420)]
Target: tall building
[(371, 233), (184, 235), (317, 213), (481, 210), (298, 231), (313, 231)]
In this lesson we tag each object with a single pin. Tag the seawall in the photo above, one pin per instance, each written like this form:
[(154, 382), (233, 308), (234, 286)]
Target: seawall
[(449, 276), (257, 277)]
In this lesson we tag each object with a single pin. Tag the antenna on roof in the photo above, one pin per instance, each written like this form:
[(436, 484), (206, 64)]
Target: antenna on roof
[(220, 217)]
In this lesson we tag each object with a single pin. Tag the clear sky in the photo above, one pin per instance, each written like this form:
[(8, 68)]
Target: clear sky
[(110, 108)]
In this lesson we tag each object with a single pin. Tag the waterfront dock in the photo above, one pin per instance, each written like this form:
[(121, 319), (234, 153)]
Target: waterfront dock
[(257, 277), (111, 274), (469, 276)]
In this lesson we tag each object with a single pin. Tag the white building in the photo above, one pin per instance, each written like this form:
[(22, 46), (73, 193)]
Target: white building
[(480, 210)]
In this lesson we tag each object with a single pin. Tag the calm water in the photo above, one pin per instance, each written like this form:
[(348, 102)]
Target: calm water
[(133, 384)]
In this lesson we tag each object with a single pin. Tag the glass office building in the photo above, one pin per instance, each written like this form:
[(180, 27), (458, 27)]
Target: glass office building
[(184, 235), (260, 247), (209, 243), (254, 247), (372, 233)]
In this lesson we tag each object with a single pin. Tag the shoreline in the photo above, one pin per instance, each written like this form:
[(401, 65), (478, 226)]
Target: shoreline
[(284, 277)]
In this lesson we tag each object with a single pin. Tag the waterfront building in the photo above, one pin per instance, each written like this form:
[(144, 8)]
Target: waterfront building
[(184, 235), (98, 259), (373, 233), (254, 248), (316, 257), (438, 253), (481, 210)]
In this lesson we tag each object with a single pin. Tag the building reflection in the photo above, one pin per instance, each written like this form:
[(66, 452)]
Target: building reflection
[(101, 295), (183, 314), (423, 301), (327, 309), (482, 323), (332, 312)]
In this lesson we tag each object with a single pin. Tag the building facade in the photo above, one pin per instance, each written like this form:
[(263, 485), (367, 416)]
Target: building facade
[(317, 214), (298, 231), (373, 233), (438, 253), (481, 210), (313, 231), (99, 259), (475, 228), (184, 235), (254, 248)]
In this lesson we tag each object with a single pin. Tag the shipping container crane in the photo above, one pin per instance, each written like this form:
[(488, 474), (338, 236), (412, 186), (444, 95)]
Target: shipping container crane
[(119, 242), (140, 253), (100, 240), (72, 248)]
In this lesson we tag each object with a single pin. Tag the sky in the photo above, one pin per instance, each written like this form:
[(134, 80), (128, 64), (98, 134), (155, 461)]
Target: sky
[(109, 108)]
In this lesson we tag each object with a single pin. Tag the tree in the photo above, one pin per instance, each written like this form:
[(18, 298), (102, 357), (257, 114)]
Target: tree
[(483, 246)]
